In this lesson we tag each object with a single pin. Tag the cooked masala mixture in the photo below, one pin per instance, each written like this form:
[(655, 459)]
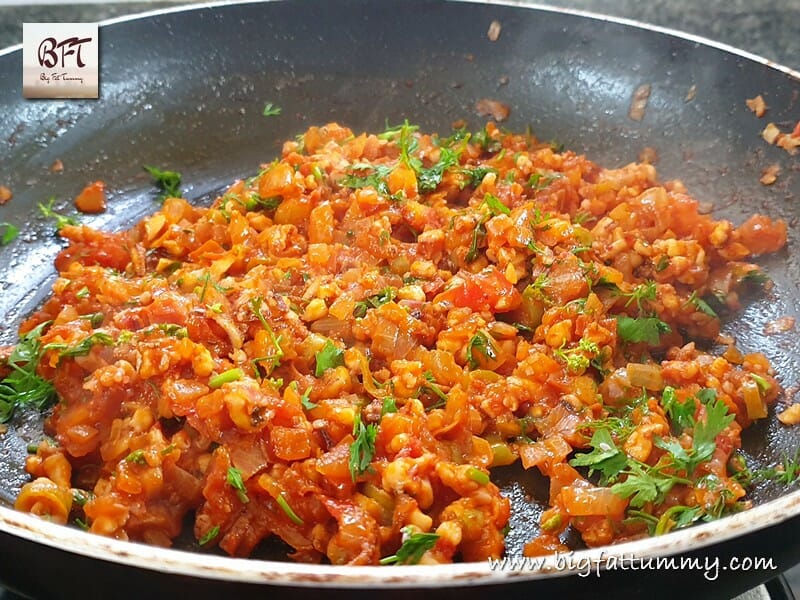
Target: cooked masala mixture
[(340, 350)]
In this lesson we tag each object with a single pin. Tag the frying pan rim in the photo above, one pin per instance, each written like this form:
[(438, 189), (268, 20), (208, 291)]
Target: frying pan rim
[(794, 73), (286, 573), (280, 573)]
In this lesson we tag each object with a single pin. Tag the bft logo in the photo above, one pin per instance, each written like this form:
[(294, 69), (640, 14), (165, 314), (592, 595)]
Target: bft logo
[(48, 57), (60, 60)]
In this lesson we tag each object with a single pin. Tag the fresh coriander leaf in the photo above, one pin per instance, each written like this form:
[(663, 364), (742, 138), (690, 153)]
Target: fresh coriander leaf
[(84, 346), (477, 173), (375, 178), (306, 401), (495, 206), (235, 480), (763, 384), (786, 473), (286, 508), (701, 305), (643, 329), (485, 141), (329, 357), (61, 220), (643, 292), (10, 233), (363, 447), (645, 484), (706, 430), (23, 386), (432, 387), (484, 344), (256, 201), (385, 295), (703, 439), (539, 181), (274, 359), (136, 457), (210, 535), (477, 235), (169, 182), (389, 406), (415, 545), (270, 110), (229, 376), (677, 517), (429, 178), (604, 457), (680, 413), (756, 277)]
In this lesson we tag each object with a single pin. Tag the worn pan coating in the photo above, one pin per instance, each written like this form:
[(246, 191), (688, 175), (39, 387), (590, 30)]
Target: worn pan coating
[(184, 89)]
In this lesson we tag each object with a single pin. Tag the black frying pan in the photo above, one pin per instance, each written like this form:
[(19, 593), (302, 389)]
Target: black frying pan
[(184, 90)]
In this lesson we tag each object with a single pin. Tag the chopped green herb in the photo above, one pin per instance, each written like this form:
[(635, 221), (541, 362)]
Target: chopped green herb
[(235, 480), (81, 497), (495, 206), (680, 413), (645, 484), (477, 173), (329, 357), (413, 548), (61, 220), (701, 305), (229, 376), (136, 457), (277, 355), (605, 457), (677, 517), (270, 110), (478, 476), (763, 384), (477, 235), (539, 181), (643, 329), (284, 504), (432, 387), (375, 178), (756, 277), (9, 233), (389, 406), (786, 473), (662, 263), (95, 319), (83, 347), (703, 438), (209, 536), (169, 182), (306, 401), (363, 447), (83, 293), (482, 343), (429, 178), (385, 295), (643, 292)]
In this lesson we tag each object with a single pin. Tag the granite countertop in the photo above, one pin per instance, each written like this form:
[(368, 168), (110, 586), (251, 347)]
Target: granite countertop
[(770, 28)]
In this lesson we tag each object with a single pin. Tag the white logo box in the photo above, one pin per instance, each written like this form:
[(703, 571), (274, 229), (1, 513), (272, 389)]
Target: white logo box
[(60, 60)]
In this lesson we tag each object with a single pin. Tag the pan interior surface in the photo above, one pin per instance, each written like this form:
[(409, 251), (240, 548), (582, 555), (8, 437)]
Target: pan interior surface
[(197, 108)]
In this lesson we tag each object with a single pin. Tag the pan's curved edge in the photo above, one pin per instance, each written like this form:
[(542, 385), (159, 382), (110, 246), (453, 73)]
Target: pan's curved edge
[(699, 39), (204, 566), (793, 73), (255, 571)]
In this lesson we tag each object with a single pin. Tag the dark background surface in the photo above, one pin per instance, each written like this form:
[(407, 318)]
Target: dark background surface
[(768, 28)]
